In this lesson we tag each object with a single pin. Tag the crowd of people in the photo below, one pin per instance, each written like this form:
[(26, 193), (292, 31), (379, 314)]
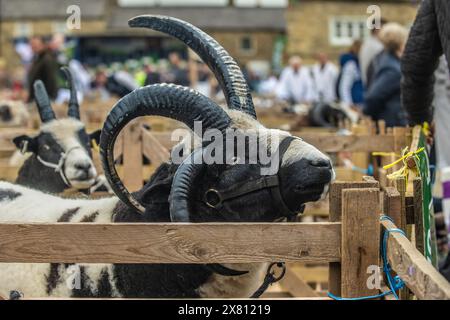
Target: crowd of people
[(366, 79), (42, 59)]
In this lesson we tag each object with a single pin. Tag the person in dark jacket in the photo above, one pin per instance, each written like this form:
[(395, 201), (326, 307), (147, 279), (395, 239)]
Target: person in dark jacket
[(43, 67), (382, 100), (428, 40)]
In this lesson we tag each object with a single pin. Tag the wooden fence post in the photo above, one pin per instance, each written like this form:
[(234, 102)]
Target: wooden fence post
[(132, 156), (336, 188), (360, 240)]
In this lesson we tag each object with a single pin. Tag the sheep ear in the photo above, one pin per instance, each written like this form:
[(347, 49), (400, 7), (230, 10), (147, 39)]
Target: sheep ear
[(5, 113), (26, 144)]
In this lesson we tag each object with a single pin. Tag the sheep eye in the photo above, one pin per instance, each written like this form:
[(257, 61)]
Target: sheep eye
[(46, 147)]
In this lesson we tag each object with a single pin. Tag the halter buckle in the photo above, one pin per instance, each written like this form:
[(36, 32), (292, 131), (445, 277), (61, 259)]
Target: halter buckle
[(213, 198)]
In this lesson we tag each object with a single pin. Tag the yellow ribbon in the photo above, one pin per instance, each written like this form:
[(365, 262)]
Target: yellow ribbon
[(95, 146), (404, 170)]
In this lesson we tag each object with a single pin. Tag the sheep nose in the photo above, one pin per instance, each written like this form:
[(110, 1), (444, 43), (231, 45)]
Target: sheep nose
[(320, 162), (83, 166)]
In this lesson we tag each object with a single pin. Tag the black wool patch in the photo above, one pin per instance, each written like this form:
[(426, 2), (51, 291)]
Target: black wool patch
[(9, 194), (66, 216), (90, 218)]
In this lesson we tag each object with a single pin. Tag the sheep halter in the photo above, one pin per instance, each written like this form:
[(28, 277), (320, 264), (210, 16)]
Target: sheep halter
[(214, 198), (59, 168)]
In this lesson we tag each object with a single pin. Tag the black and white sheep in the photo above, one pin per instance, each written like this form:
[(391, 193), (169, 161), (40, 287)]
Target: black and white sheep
[(59, 157), (188, 192)]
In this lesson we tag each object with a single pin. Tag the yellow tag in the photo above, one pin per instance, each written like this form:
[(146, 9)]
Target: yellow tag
[(95, 145)]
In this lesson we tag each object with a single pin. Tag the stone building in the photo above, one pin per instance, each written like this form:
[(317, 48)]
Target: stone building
[(248, 33), (331, 25)]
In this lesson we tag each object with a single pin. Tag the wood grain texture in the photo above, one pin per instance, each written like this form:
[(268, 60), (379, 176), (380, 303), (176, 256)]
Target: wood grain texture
[(296, 285), (170, 242), (360, 240), (418, 274), (335, 196), (418, 215), (326, 142), (132, 156), (153, 149), (392, 204)]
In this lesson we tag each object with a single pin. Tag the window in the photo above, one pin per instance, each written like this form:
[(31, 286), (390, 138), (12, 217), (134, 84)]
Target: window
[(23, 29), (247, 45), (343, 30), (59, 27)]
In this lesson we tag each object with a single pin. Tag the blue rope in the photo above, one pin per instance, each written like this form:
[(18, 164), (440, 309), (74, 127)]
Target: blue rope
[(394, 283)]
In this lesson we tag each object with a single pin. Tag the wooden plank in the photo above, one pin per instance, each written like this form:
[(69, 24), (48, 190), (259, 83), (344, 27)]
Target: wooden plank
[(394, 207), (410, 207), (132, 156), (170, 242), (392, 204), (8, 173), (315, 274), (296, 286), (418, 274), (351, 143), (360, 240), (326, 142), (400, 184), (153, 149), (335, 196), (418, 215)]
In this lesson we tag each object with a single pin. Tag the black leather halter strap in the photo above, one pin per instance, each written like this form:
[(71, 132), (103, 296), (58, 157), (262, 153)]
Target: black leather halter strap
[(214, 198)]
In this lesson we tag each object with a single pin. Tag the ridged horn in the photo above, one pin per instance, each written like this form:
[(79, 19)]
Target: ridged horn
[(176, 102), (226, 70), (74, 108), (181, 190), (43, 102)]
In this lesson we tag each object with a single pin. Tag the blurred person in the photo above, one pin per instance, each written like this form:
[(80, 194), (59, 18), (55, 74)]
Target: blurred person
[(427, 42), (43, 67), (118, 83), (349, 85), (99, 84), (152, 75), (324, 75), (370, 48), (56, 47), (177, 72), (81, 79), (295, 85), (442, 114), (203, 82), (382, 100), (268, 86)]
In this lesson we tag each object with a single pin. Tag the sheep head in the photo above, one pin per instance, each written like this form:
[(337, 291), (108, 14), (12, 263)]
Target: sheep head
[(62, 145), (234, 186)]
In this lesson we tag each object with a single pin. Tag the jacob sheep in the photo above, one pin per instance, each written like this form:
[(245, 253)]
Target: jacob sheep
[(192, 191), (59, 157)]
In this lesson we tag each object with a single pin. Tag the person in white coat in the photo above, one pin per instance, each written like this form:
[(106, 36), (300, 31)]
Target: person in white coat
[(324, 75), (295, 83)]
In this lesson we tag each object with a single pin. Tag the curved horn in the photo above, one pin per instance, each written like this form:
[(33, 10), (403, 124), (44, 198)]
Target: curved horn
[(74, 107), (223, 66), (43, 102), (182, 183), (176, 102)]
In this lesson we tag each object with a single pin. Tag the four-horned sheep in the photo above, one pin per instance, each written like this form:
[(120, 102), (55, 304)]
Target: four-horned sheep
[(191, 191)]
